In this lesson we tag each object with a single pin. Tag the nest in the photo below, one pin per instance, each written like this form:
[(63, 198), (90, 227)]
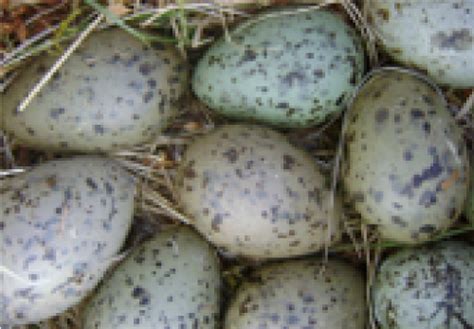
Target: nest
[(29, 27)]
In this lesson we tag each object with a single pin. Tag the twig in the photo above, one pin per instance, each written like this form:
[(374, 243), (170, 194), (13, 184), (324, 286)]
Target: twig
[(59, 63)]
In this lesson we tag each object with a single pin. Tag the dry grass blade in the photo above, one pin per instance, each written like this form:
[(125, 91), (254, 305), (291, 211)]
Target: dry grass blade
[(152, 199), (46, 12), (8, 59), (59, 63), (468, 106), (368, 35)]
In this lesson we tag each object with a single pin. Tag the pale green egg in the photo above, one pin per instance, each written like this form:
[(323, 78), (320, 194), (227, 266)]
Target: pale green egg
[(112, 93), (250, 192), (170, 281), (303, 293), (406, 162)]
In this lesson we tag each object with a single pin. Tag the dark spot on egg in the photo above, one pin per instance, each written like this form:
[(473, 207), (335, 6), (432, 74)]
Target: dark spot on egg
[(249, 56), (91, 183), (459, 40), (55, 113), (381, 115), (378, 196), (216, 222), (397, 220), (282, 105), (383, 14), (288, 162), (145, 69), (427, 198), (427, 229), (231, 155), (417, 113), (99, 129), (147, 97)]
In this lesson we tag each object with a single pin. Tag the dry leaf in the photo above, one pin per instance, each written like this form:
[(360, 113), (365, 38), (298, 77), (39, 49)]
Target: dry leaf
[(118, 9), (21, 30)]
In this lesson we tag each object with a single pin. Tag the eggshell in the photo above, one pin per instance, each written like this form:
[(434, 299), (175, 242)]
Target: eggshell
[(171, 281), (300, 294), (406, 163), (112, 93), (290, 69), (252, 193), (425, 288), (61, 226), (437, 37)]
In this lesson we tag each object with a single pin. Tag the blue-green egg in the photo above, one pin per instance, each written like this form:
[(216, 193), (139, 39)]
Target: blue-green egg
[(426, 288), (289, 69)]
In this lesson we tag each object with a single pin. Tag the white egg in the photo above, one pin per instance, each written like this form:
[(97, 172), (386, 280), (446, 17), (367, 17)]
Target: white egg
[(61, 226), (435, 36)]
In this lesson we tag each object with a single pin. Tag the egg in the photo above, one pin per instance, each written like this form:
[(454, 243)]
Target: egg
[(61, 226), (289, 69), (438, 39), (251, 193), (300, 294), (170, 281), (112, 93), (427, 287), (405, 164)]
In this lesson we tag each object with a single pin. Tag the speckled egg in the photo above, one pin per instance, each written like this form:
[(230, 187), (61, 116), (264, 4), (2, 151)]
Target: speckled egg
[(300, 294), (61, 226), (171, 281), (252, 193), (431, 287), (112, 93), (435, 37), (291, 69), (406, 162)]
